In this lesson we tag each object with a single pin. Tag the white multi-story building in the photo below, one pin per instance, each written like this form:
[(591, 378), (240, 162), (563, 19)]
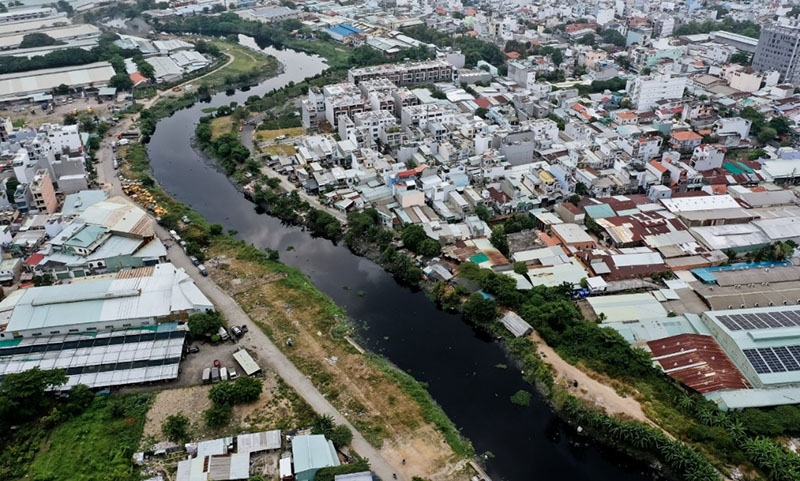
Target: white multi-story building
[(646, 91), (707, 157), (731, 131), (746, 81)]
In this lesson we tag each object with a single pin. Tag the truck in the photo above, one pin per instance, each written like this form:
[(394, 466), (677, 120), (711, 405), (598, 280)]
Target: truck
[(223, 334), (206, 375)]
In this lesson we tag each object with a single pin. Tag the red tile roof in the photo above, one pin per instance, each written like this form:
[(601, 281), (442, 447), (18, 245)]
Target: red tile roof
[(685, 136), (137, 78), (34, 259), (698, 362), (481, 102)]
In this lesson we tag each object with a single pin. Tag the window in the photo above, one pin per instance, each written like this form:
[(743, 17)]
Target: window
[(73, 330), (109, 327), (91, 328), (36, 334), (55, 332), (126, 325)]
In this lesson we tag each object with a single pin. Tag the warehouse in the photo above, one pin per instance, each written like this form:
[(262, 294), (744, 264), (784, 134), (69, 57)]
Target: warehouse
[(763, 343), (104, 331), (627, 307), (60, 34), (21, 85), (130, 298)]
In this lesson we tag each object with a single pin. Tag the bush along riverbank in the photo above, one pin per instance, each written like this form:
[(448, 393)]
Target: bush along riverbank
[(703, 442)]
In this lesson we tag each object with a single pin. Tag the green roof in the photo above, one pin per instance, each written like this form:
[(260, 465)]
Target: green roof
[(313, 452), (87, 236)]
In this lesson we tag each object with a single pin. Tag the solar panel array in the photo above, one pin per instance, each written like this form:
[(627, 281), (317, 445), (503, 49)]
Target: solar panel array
[(760, 320), (766, 360)]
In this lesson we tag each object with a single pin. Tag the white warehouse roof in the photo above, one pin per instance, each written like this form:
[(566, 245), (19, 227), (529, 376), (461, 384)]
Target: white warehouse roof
[(23, 84), (143, 293)]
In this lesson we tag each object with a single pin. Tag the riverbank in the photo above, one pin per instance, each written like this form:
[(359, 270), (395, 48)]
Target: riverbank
[(391, 410)]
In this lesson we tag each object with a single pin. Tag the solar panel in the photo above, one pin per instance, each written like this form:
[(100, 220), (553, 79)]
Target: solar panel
[(756, 361), (743, 321), (775, 364), (760, 322), (728, 323), (787, 358)]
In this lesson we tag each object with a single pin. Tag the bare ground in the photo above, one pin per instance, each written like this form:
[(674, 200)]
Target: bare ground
[(375, 405)]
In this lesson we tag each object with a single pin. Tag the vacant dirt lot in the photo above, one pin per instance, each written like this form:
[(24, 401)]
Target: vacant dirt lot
[(378, 407), (278, 408)]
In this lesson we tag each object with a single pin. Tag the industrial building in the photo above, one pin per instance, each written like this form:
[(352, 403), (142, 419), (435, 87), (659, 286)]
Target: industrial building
[(22, 85), (108, 330)]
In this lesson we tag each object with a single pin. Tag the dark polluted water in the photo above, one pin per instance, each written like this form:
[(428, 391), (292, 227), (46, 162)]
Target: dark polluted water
[(467, 373)]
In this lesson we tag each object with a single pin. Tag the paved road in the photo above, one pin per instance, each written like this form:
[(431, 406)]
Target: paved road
[(255, 340)]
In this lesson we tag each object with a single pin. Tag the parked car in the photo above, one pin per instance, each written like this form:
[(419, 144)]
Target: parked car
[(202, 270), (216, 363), (194, 260), (223, 374), (232, 374), (223, 334), (214, 374), (244, 328), (194, 350), (206, 375), (236, 331)]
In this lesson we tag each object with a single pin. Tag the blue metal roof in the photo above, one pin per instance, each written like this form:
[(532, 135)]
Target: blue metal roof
[(344, 30)]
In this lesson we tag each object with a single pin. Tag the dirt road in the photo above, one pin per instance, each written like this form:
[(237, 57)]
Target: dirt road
[(588, 389)]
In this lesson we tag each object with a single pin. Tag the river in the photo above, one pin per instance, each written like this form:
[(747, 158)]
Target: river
[(465, 370)]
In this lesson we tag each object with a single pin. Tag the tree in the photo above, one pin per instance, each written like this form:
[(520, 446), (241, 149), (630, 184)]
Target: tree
[(741, 57), (521, 268), (480, 310), (482, 212), (218, 415), (754, 116), (121, 81), (176, 428), (247, 390), (38, 39), (204, 324), (25, 394), (499, 239), (481, 112), (613, 37), (64, 6), (781, 124), (413, 235), (341, 436), (222, 394), (80, 398), (766, 134), (587, 39), (146, 69)]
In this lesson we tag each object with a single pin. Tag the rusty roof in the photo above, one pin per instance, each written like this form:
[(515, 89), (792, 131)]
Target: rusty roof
[(698, 362)]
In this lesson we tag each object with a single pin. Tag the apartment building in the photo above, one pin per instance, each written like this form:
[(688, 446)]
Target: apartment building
[(777, 50), (646, 91), (409, 73)]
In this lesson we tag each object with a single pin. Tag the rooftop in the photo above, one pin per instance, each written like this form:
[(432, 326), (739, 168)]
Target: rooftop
[(147, 292)]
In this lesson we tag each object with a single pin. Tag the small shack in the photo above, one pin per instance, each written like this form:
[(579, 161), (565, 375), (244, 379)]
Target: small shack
[(258, 442), (515, 324), (249, 366), (312, 453)]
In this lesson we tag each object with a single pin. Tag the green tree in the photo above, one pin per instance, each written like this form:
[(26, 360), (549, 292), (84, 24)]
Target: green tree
[(480, 310), (80, 398), (587, 39), (222, 394), (341, 436), (482, 212), (521, 268), (613, 37), (754, 116), (481, 112), (121, 81), (204, 324), (499, 239), (176, 428), (247, 390), (766, 134), (413, 235), (741, 57), (25, 394), (781, 124), (218, 415), (38, 39)]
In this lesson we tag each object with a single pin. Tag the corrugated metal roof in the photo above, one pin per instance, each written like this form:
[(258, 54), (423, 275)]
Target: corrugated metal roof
[(110, 298), (515, 324), (244, 359), (698, 362), (255, 442)]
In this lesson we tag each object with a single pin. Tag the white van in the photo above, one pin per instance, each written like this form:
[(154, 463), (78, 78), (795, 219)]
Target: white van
[(223, 373)]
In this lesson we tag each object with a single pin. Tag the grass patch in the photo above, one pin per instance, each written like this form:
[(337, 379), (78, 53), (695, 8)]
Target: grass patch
[(337, 55), (221, 126), (101, 440), (279, 150), (264, 135), (431, 411), (245, 62)]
